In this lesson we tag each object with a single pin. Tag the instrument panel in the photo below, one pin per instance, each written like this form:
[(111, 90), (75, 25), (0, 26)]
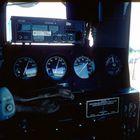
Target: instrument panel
[(32, 67), (56, 67), (33, 63)]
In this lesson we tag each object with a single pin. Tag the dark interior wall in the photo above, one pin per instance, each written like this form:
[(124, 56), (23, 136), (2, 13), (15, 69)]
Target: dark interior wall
[(113, 31), (2, 30), (93, 11), (3, 20), (83, 11), (111, 19)]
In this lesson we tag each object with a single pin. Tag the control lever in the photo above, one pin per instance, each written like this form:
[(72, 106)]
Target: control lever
[(7, 104), (63, 93)]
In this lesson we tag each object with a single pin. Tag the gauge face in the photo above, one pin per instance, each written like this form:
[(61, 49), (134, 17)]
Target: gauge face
[(25, 68), (56, 67), (84, 67), (113, 65)]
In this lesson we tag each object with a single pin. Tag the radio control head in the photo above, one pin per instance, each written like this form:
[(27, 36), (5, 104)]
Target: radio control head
[(39, 30)]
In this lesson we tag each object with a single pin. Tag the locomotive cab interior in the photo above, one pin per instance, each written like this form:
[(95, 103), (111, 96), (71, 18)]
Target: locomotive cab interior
[(65, 73)]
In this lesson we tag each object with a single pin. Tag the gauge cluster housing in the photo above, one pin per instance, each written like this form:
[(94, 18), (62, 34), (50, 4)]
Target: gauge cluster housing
[(82, 68)]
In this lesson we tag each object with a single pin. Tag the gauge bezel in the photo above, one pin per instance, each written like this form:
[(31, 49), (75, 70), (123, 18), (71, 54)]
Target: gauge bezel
[(25, 77), (54, 77), (89, 75)]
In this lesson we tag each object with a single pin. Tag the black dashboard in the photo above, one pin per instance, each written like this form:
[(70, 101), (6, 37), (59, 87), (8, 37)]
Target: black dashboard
[(63, 88), (80, 67)]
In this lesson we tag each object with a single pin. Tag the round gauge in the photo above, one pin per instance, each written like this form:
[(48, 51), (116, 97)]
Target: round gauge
[(25, 68), (113, 65), (56, 67), (84, 67)]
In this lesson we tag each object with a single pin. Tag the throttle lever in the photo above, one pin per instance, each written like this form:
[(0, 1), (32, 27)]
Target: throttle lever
[(64, 93)]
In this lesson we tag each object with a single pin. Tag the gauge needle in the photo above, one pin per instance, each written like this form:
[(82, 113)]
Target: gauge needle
[(25, 69), (57, 65), (113, 59), (113, 62), (83, 68)]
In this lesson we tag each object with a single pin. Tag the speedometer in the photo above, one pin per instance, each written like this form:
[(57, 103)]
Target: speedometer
[(84, 67), (56, 67), (25, 68)]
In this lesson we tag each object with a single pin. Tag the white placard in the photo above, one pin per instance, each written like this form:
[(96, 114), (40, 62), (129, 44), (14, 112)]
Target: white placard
[(41, 33)]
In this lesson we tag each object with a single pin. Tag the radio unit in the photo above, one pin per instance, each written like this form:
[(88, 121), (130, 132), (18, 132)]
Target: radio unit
[(47, 30)]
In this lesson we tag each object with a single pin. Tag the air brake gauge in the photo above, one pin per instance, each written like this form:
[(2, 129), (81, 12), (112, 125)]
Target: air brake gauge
[(25, 68), (84, 67), (113, 65), (56, 67)]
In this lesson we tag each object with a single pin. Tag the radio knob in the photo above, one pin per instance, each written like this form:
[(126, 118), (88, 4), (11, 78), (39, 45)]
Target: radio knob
[(71, 38), (55, 38), (63, 38), (20, 37)]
